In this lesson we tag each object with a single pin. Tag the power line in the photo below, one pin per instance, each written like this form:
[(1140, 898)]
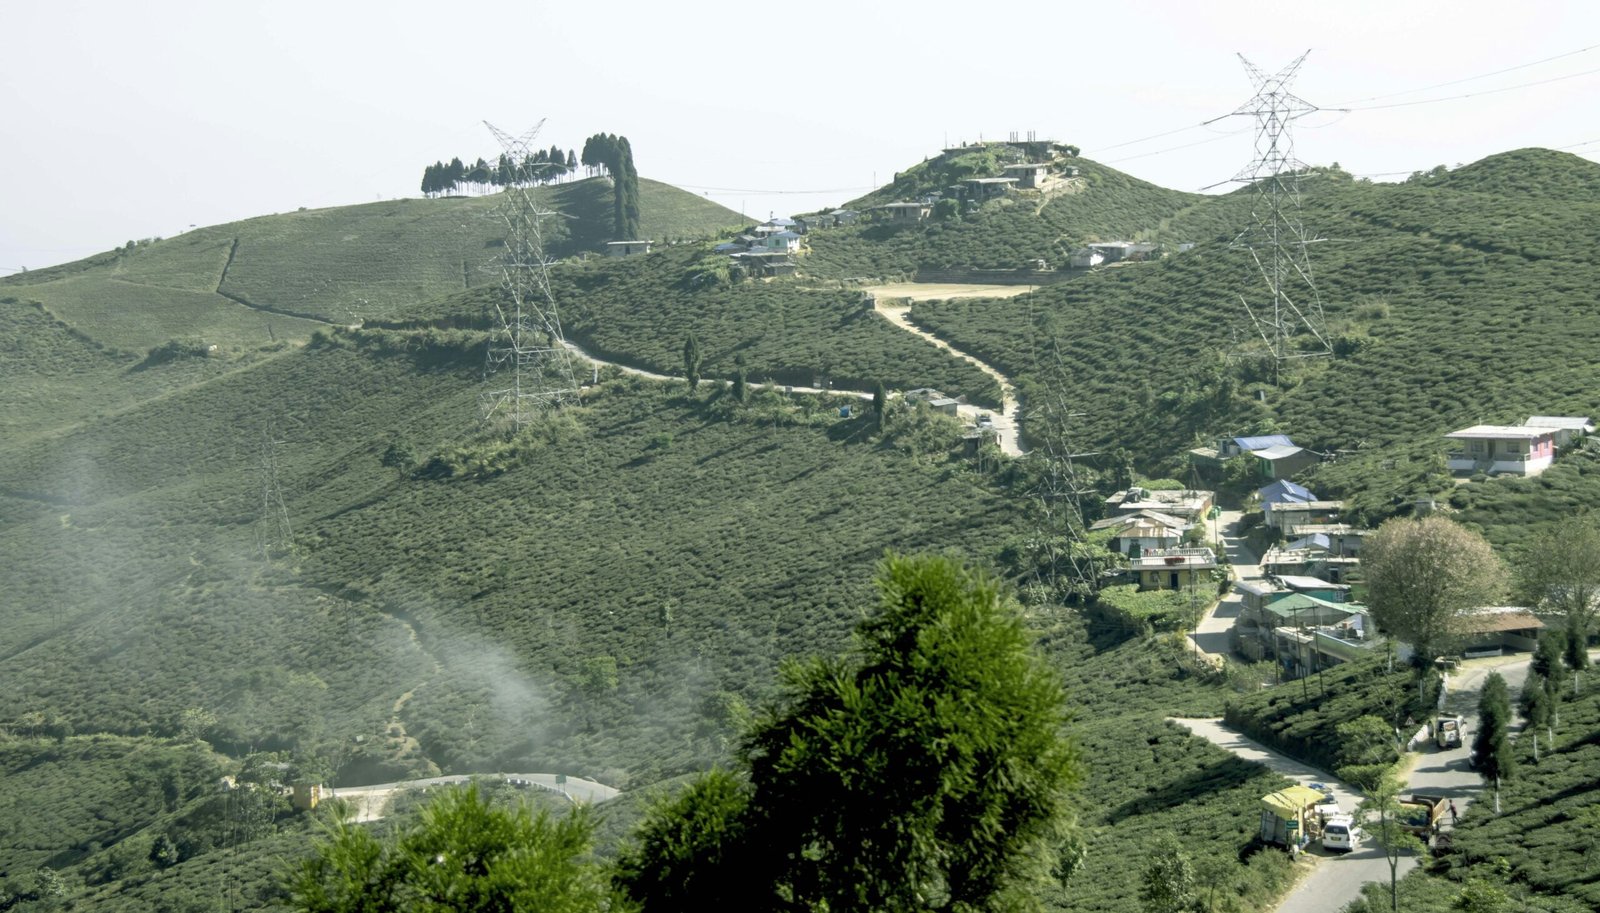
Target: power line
[(1202, 142), (1431, 101), (1456, 82), (1360, 104)]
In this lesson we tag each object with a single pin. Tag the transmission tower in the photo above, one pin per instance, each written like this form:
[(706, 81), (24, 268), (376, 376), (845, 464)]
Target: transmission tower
[(1060, 495), (1275, 237), (527, 337), (273, 533)]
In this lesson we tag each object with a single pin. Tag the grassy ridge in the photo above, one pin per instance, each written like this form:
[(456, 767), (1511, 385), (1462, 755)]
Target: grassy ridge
[(341, 264)]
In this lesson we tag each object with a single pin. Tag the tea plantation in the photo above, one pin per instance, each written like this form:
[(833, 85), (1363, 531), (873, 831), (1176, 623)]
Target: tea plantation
[(303, 555)]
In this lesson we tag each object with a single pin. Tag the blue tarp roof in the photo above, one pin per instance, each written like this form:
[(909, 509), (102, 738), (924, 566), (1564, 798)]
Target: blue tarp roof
[(1263, 441), (1283, 491)]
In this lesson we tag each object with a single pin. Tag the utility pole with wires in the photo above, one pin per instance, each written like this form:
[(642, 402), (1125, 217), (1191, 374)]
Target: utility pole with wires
[(1275, 238), (527, 338)]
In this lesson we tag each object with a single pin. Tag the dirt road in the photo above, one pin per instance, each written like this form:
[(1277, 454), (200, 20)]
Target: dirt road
[(1005, 421), (941, 291)]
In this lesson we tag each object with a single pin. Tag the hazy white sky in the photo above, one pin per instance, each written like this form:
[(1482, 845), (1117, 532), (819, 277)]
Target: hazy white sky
[(129, 120)]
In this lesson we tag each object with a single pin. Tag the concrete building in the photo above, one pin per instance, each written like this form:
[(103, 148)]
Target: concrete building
[(1515, 449)]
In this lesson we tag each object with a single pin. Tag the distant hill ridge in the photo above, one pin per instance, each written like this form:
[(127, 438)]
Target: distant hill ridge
[(273, 276)]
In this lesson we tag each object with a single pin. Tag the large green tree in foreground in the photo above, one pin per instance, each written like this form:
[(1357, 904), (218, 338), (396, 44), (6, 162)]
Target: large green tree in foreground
[(1423, 574), (925, 771)]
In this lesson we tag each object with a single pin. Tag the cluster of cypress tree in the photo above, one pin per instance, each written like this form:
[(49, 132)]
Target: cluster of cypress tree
[(613, 153), (543, 166)]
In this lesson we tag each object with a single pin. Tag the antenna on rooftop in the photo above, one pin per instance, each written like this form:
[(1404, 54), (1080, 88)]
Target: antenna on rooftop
[(527, 338), (1275, 237)]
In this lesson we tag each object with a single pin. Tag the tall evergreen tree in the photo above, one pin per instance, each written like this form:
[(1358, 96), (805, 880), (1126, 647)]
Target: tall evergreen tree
[(1491, 747), (925, 771), (691, 360)]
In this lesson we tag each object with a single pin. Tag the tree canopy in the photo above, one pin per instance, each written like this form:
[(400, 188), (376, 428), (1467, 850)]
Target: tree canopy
[(925, 771), (464, 855), (1422, 574), (615, 154)]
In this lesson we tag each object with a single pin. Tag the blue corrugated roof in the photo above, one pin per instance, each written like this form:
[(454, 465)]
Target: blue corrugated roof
[(1263, 441), (1283, 491)]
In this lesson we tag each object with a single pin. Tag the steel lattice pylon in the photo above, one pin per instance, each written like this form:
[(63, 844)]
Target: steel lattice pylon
[(1275, 237), (527, 338)]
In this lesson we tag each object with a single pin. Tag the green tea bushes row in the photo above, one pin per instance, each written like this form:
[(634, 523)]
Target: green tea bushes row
[(638, 311), (1301, 718)]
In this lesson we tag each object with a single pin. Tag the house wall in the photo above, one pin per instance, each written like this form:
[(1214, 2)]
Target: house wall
[(1527, 458), (1287, 466), (1162, 579)]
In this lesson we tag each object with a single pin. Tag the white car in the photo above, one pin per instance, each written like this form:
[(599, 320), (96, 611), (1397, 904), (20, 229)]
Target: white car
[(1341, 833)]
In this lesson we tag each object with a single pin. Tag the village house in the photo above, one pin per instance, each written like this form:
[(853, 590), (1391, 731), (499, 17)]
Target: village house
[(905, 213), (1029, 175), (1305, 634), (936, 401), (626, 248), (1493, 449), (1343, 539), (1315, 587), (1173, 569), (1147, 530), (807, 224), (1283, 461), (1112, 251), (987, 188), (1569, 428), (1254, 594), (845, 216), (1278, 457), (1184, 504), (1085, 258), (783, 242), (1309, 556), (1281, 492), (1495, 629)]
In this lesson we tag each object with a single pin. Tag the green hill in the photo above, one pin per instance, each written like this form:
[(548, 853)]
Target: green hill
[(1447, 307), (280, 276), (603, 592), (1086, 202)]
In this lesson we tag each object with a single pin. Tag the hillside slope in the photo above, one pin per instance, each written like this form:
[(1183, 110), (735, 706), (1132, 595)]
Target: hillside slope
[(1449, 307), (280, 276)]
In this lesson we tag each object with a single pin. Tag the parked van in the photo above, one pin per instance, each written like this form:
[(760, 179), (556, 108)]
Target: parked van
[(1341, 833)]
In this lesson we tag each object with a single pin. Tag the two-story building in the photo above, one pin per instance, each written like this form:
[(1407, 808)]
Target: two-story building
[(1173, 569)]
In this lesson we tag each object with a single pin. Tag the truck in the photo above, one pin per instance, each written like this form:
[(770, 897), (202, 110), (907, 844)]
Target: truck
[(1420, 814), (1448, 731), (1290, 817)]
